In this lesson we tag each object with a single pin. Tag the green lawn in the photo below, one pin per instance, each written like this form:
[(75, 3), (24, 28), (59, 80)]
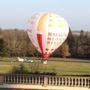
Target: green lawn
[(57, 65)]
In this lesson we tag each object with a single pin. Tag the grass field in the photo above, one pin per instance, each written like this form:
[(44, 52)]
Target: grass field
[(56, 65)]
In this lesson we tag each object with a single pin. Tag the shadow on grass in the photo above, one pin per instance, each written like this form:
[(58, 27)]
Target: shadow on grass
[(34, 69)]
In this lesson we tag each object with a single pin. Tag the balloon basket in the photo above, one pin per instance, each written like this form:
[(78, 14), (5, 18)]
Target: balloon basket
[(44, 61)]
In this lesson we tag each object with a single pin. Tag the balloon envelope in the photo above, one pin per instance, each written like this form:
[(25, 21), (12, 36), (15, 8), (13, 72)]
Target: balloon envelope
[(47, 31)]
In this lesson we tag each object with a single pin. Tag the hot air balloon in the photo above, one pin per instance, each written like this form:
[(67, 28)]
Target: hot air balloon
[(47, 31)]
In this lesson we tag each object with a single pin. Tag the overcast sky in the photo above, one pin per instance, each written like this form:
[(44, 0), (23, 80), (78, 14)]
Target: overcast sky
[(15, 13)]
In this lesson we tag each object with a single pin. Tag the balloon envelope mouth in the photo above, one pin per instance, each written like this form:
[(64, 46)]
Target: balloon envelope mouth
[(45, 56)]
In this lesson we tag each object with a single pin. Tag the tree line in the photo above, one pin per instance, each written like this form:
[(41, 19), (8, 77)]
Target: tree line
[(15, 42)]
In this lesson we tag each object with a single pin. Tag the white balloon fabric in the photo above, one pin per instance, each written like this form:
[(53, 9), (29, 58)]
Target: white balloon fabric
[(47, 31)]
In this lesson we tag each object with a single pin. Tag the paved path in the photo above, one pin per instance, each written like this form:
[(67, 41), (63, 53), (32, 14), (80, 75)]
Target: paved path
[(40, 87)]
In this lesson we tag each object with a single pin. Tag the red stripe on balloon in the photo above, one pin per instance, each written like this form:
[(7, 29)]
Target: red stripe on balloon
[(39, 37)]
